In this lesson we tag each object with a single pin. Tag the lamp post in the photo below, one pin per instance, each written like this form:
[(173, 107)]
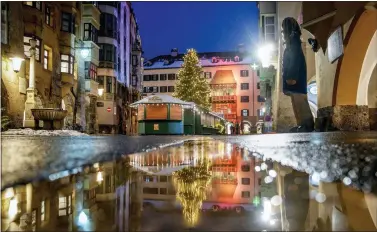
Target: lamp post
[(30, 92), (16, 63)]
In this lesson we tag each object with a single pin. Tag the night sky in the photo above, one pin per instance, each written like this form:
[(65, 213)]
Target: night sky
[(205, 26)]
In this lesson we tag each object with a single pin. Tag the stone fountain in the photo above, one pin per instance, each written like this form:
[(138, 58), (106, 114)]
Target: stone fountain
[(52, 117)]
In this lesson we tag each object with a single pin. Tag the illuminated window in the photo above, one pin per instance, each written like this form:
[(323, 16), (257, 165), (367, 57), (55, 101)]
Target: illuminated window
[(43, 208), (245, 112), (49, 19), (66, 64), (36, 5), (47, 58), (27, 47), (244, 73), (63, 204), (90, 71), (208, 75)]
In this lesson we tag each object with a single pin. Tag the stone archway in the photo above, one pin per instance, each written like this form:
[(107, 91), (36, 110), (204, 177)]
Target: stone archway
[(357, 41), (372, 98), (246, 127)]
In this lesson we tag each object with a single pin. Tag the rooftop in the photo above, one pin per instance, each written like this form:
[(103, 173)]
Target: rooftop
[(207, 59)]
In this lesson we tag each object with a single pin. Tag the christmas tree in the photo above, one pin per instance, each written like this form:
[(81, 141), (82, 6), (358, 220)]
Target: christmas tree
[(191, 85)]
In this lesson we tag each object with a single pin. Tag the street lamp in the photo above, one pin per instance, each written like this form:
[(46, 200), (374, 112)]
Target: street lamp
[(84, 52), (100, 92), (265, 54), (16, 63)]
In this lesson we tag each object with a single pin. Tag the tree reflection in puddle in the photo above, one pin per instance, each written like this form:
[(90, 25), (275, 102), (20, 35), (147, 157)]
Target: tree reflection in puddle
[(203, 185)]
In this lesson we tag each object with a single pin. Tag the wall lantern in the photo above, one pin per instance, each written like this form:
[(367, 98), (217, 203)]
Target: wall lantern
[(16, 64), (84, 52), (100, 92), (99, 177)]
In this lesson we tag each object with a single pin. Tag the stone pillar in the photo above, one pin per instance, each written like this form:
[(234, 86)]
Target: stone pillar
[(30, 92)]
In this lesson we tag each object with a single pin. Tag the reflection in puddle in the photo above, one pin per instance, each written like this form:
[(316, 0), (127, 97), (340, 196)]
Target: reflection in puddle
[(202, 185)]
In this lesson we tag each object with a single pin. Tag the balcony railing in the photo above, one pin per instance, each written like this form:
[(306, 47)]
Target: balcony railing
[(227, 98), (224, 181)]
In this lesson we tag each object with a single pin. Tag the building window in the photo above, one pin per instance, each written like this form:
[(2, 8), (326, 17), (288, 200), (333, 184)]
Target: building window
[(108, 25), (163, 191), (269, 28), (258, 85), (245, 181), (244, 98), (36, 5), (43, 208), (150, 190), (155, 89), (244, 86), (261, 99), (170, 89), (245, 168), (65, 204), (244, 73), (109, 84), (100, 80), (68, 22), (49, 19), (154, 77), (163, 89), (66, 64), (245, 113), (27, 48), (108, 53), (146, 78), (208, 75), (148, 178), (47, 58), (4, 23), (163, 179), (90, 71), (162, 77), (90, 33), (134, 80), (245, 194), (171, 76), (134, 60)]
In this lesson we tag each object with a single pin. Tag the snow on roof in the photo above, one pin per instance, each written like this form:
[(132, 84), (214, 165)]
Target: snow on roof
[(204, 63), (160, 98), (31, 132)]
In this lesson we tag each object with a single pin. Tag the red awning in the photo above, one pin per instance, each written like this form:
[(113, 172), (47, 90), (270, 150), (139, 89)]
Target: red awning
[(322, 18)]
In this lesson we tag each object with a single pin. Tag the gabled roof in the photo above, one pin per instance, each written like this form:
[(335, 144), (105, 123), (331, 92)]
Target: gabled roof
[(223, 77)]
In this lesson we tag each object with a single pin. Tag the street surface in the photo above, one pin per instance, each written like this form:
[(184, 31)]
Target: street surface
[(28, 158)]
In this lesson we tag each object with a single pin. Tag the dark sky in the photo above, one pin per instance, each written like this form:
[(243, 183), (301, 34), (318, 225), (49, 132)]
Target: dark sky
[(205, 26)]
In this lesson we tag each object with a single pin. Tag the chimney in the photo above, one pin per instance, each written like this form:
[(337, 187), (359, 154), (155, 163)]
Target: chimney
[(174, 52), (241, 48)]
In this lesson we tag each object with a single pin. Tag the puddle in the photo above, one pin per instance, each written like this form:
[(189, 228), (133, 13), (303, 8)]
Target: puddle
[(201, 185)]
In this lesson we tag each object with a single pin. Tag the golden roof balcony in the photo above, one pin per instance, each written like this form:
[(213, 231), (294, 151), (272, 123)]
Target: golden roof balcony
[(224, 99)]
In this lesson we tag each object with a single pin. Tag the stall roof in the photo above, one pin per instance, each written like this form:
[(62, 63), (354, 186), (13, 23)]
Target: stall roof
[(160, 99)]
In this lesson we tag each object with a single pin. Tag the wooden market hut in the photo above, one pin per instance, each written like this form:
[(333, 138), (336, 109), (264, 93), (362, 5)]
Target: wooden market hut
[(160, 115), (197, 121)]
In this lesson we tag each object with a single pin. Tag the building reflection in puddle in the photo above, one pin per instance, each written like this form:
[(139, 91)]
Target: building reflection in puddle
[(202, 184)]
